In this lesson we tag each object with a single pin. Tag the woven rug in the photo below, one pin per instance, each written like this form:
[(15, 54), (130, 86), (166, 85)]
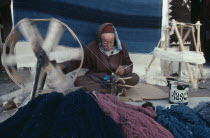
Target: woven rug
[(138, 22)]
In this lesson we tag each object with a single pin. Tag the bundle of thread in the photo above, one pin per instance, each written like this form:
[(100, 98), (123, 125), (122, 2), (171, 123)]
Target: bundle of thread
[(182, 121), (79, 116), (203, 108), (136, 121), (33, 120), (54, 115)]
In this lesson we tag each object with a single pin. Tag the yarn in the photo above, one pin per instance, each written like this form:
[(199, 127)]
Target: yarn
[(33, 119), (42, 117), (136, 121), (203, 108), (54, 115), (183, 56), (182, 121), (80, 116)]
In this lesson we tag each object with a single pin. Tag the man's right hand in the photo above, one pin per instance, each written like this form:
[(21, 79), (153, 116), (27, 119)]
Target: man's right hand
[(120, 70)]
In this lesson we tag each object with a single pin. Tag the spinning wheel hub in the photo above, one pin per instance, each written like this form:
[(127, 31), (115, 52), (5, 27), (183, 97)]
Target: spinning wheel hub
[(42, 50)]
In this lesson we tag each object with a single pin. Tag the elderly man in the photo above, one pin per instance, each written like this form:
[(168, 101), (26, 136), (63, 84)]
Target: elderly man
[(103, 57)]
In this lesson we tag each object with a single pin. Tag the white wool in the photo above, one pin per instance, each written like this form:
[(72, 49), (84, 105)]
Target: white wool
[(179, 56)]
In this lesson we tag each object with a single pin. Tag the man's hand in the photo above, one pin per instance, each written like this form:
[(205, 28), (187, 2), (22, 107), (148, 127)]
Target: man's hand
[(120, 70)]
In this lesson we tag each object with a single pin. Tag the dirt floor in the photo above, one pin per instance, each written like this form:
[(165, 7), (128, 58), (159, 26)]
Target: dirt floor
[(6, 84)]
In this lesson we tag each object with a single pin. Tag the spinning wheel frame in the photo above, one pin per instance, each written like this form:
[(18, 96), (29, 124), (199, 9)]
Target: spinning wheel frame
[(10, 43)]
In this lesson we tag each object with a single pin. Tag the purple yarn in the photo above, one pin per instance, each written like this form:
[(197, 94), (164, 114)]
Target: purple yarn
[(203, 108), (136, 121)]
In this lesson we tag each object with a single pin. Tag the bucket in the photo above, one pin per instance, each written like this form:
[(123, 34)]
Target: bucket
[(178, 92)]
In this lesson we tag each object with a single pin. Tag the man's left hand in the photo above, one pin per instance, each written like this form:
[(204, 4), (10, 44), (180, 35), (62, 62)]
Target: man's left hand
[(120, 70)]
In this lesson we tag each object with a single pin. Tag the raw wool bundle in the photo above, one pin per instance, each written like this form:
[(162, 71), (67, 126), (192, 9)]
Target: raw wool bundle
[(182, 121), (203, 108), (156, 80), (184, 56), (79, 115), (136, 121), (32, 120)]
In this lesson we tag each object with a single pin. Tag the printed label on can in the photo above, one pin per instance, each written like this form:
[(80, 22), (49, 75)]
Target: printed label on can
[(179, 96)]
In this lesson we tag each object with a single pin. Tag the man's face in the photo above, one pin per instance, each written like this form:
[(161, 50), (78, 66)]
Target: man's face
[(108, 41)]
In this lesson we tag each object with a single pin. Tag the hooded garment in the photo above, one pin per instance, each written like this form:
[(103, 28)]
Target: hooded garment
[(98, 63)]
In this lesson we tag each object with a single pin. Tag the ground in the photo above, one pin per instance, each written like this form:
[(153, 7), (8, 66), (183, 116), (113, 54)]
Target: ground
[(6, 84)]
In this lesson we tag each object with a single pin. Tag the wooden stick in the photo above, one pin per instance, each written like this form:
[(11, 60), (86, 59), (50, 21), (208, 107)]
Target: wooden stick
[(165, 47), (193, 35), (201, 71), (127, 78), (178, 36), (182, 49), (186, 35), (129, 86), (197, 51), (180, 63), (196, 76), (198, 39), (153, 58), (190, 73)]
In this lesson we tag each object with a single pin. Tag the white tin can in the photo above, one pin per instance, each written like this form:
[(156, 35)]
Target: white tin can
[(178, 92)]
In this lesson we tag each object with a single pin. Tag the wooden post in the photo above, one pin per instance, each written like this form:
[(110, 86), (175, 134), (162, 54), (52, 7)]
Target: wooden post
[(193, 35), (180, 63), (153, 57), (186, 35), (165, 48), (182, 49), (197, 51)]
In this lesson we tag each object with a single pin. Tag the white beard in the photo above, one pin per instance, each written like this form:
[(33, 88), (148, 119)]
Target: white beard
[(108, 53)]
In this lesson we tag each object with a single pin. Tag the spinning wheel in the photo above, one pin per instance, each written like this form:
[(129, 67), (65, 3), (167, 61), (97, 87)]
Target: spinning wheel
[(30, 70)]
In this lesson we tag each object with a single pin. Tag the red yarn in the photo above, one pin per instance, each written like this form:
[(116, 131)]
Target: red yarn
[(136, 121)]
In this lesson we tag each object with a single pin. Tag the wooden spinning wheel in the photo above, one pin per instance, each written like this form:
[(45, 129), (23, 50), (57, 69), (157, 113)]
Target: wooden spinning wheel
[(26, 30)]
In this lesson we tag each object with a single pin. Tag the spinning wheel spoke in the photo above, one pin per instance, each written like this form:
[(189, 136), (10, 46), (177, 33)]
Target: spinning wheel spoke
[(54, 34), (35, 64), (10, 60)]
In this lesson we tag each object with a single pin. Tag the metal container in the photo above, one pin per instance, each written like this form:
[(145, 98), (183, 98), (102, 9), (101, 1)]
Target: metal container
[(178, 92)]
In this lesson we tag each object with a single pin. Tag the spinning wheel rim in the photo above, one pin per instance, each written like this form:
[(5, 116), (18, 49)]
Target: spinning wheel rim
[(6, 44)]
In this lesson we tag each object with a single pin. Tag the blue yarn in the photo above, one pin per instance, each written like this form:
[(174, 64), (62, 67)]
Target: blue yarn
[(28, 120), (54, 115), (79, 116), (182, 122), (203, 108), (41, 118)]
